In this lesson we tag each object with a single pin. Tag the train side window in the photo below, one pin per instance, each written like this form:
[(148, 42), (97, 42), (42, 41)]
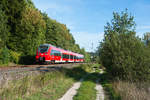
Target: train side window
[(59, 53), (71, 56), (64, 55), (55, 53), (67, 56), (74, 57), (52, 52)]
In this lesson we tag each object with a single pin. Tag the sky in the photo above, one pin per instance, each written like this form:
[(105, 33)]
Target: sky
[(86, 18)]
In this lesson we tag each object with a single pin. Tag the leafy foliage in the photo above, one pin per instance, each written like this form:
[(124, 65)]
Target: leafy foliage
[(31, 32), (4, 30), (122, 53), (14, 56), (147, 39), (4, 56)]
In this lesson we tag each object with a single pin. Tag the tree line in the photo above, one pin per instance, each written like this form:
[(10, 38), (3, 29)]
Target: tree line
[(125, 55), (23, 28)]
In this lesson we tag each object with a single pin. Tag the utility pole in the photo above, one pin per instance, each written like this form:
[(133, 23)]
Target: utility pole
[(92, 54), (92, 46)]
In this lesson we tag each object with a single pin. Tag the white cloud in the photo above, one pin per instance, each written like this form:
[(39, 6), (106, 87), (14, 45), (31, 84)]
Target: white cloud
[(85, 40), (58, 8), (143, 27)]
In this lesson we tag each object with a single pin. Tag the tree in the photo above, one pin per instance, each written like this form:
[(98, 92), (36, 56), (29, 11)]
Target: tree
[(121, 52), (52, 31), (147, 38), (86, 55), (23, 28), (31, 31), (13, 10), (57, 34), (4, 30), (4, 34)]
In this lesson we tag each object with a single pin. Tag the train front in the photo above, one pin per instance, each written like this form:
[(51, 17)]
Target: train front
[(42, 54)]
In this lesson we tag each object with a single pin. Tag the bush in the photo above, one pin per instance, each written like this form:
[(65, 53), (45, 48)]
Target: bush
[(4, 56), (0, 56), (14, 56)]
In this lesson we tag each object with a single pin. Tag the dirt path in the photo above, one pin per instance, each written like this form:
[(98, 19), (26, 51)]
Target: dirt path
[(72, 91), (100, 91)]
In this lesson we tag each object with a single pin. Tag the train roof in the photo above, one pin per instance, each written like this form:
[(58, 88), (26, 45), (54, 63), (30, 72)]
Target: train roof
[(63, 50)]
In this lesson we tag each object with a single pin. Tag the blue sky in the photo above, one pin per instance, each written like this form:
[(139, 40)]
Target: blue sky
[(86, 18)]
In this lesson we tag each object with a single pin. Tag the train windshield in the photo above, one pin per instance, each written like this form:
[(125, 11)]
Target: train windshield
[(43, 48)]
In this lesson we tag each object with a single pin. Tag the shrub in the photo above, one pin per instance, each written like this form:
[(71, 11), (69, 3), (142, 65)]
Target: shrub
[(14, 56), (0, 56), (4, 55)]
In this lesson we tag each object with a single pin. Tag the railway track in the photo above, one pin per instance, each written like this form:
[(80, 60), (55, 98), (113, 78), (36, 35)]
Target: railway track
[(36, 66), (20, 71)]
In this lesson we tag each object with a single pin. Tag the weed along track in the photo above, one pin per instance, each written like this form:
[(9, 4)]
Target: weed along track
[(5, 68), (41, 84), (55, 84), (7, 73)]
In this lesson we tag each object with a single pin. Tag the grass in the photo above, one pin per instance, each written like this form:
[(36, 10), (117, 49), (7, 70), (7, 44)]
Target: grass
[(45, 86), (93, 67), (110, 93), (8, 65), (97, 68), (132, 90), (87, 89), (124, 90)]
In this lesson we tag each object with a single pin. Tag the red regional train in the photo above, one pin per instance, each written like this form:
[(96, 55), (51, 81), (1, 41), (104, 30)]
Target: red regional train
[(47, 53)]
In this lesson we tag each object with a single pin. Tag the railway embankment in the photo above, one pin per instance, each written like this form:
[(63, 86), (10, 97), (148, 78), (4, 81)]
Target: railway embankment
[(44, 83), (18, 72)]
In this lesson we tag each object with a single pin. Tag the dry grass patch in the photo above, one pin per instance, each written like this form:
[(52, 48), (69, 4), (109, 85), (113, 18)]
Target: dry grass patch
[(132, 91)]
